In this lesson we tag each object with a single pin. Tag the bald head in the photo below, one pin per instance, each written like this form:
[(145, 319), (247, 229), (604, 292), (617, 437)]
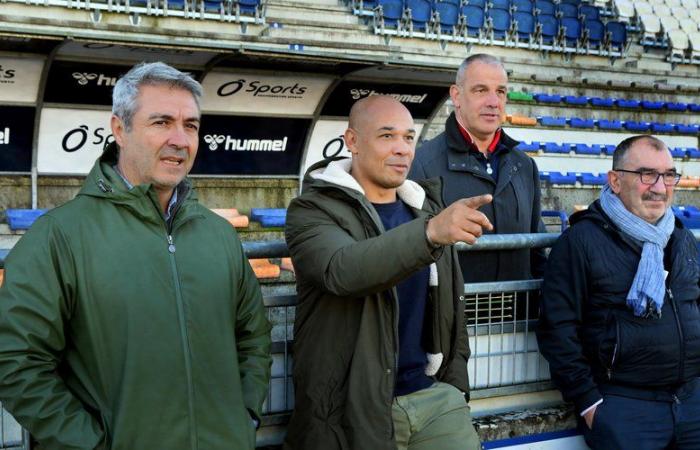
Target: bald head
[(381, 137)]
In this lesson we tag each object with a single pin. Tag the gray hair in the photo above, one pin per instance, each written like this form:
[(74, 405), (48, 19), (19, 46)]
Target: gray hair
[(624, 146), (478, 57), (126, 91)]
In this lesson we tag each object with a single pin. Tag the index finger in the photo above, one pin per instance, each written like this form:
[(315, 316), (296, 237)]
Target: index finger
[(479, 200)]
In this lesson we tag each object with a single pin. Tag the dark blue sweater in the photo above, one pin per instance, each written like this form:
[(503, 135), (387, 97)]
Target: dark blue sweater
[(413, 295)]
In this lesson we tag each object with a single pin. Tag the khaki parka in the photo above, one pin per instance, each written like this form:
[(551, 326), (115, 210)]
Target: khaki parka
[(346, 325), (122, 331)]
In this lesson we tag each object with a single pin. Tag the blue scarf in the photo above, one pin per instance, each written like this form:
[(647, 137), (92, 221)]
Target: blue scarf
[(646, 295)]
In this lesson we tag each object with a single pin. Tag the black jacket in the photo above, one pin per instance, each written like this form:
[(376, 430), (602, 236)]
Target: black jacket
[(516, 199), (591, 338)]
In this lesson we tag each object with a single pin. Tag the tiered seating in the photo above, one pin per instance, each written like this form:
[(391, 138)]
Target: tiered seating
[(567, 148), (603, 102), (570, 27), (242, 11), (631, 125), (572, 178)]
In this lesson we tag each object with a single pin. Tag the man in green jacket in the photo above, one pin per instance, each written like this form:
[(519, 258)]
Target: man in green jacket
[(129, 317), (380, 348)]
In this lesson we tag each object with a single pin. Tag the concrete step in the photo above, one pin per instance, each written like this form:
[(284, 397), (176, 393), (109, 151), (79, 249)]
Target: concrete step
[(318, 15)]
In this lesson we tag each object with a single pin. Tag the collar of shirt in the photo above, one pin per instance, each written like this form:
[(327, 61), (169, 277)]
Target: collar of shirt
[(171, 203), (470, 140)]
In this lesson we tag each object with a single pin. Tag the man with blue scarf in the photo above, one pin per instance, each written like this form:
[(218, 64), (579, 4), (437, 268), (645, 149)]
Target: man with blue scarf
[(620, 320)]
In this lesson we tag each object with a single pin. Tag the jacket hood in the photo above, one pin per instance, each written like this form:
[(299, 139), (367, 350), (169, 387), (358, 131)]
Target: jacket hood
[(336, 172), (104, 182)]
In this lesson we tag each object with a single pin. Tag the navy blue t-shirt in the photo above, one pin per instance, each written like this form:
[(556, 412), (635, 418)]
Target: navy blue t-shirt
[(413, 296)]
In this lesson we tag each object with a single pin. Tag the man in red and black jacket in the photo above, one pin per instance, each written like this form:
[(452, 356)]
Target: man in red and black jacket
[(475, 156)]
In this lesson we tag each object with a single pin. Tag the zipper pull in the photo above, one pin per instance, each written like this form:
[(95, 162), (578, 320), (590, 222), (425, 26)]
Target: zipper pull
[(171, 245)]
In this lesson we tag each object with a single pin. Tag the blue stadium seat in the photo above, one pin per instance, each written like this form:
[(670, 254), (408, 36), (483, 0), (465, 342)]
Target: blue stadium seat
[(594, 33), (673, 106), (567, 10), (269, 217), (392, 12), (448, 16), (456, 2), (533, 146), (472, 18), (625, 103), (211, 5), (180, 4), (553, 147), (694, 107), (658, 127), (544, 176), (602, 102), (369, 4), (572, 2), (609, 149), (523, 6), (588, 12), (249, 6), (547, 98), (678, 152), (563, 218), (560, 178), (687, 129), (595, 180), (548, 28), (651, 105), (549, 121), (524, 25), (480, 3), (575, 100), (571, 30), (605, 124), (583, 149), (617, 35), (693, 153), (689, 215), (633, 125), (419, 12), (545, 7), (22, 219), (576, 122), (499, 4), (499, 23)]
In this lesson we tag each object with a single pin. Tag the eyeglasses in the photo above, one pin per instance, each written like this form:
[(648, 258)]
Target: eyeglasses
[(650, 177)]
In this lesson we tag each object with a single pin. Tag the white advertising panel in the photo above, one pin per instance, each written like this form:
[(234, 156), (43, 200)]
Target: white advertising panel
[(19, 79), (236, 92), (70, 140), (327, 142)]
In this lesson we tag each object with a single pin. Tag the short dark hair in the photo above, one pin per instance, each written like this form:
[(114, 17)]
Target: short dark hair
[(478, 57), (622, 147)]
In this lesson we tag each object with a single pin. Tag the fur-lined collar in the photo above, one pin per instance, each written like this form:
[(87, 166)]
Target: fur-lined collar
[(338, 173)]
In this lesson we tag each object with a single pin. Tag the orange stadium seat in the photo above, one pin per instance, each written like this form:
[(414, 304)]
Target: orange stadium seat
[(691, 182), (286, 264), (2, 275), (235, 218), (263, 268), (522, 120)]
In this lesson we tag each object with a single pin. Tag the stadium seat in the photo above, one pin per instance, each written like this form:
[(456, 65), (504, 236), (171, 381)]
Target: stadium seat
[(571, 31), (661, 10), (642, 7), (389, 13), (524, 25), (583, 149), (560, 178), (678, 44), (693, 107), (688, 25), (617, 36), (545, 7), (567, 10), (668, 22), (520, 96), (651, 105), (180, 4), (472, 20), (522, 120), (576, 122), (627, 103), (625, 10), (22, 219), (544, 176), (447, 16), (657, 127), (248, 7), (263, 268), (573, 2), (499, 4), (602, 102), (553, 147), (549, 121), (547, 29), (605, 124), (678, 152), (522, 6), (689, 4), (480, 3), (498, 22), (687, 129), (679, 12), (575, 100), (586, 12), (547, 98), (269, 217), (419, 13), (609, 149), (232, 215), (651, 27), (693, 153), (694, 38), (532, 147), (676, 106), (633, 125), (593, 33), (689, 182), (588, 178), (672, 3)]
